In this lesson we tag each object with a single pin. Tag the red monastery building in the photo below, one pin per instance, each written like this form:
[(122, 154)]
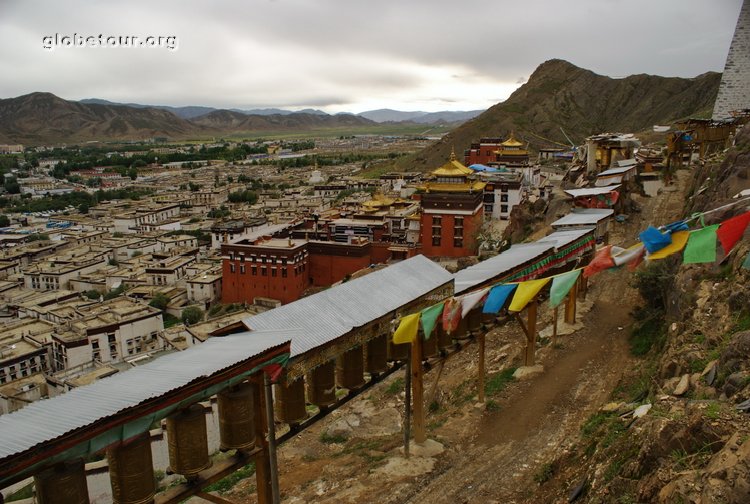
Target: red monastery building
[(452, 211)]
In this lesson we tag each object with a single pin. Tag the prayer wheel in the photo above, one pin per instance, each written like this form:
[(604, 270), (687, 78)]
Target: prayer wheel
[(290, 404), (322, 385), (188, 441), (64, 483), (397, 352), (350, 368), (444, 340), (474, 321), (377, 355), (236, 419), (429, 346), (131, 471)]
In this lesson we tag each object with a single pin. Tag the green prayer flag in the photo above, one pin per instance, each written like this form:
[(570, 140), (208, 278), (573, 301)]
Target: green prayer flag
[(429, 318), (701, 246), (561, 285)]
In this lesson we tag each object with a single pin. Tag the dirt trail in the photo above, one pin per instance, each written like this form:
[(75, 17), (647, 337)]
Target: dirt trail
[(490, 456)]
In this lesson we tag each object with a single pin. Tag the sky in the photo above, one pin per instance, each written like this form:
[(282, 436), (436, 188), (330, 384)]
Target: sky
[(346, 55)]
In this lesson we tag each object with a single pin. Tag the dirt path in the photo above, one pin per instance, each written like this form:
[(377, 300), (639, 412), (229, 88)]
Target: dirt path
[(490, 456)]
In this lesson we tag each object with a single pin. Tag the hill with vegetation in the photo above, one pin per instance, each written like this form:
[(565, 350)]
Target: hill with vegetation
[(561, 96)]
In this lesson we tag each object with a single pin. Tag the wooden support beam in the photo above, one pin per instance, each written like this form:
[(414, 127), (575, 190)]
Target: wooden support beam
[(262, 462), (531, 310), (517, 315), (417, 388), (480, 382), (584, 286), (407, 403), (554, 327), (570, 305)]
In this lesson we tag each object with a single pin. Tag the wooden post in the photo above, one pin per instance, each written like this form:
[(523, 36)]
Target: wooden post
[(554, 327), (531, 333), (570, 305), (417, 386), (273, 466), (262, 463), (584, 286), (480, 382), (407, 405)]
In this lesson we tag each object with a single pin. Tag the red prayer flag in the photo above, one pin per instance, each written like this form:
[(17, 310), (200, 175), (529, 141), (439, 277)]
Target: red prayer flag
[(601, 261), (273, 371), (451, 315), (731, 230)]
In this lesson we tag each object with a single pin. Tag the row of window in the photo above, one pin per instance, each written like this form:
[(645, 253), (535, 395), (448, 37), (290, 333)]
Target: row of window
[(24, 368), (298, 269)]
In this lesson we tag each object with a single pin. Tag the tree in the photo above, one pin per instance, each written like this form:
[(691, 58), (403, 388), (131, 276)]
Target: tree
[(133, 173), (192, 315), (160, 301), (4, 220), (12, 185), (83, 208)]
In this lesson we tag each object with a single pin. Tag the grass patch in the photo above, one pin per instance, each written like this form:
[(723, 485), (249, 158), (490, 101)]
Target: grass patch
[(592, 425), (545, 473), (492, 406), (742, 323), (395, 386), (462, 393), (647, 334), (226, 484), (330, 439), (713, 410), (498, 381)]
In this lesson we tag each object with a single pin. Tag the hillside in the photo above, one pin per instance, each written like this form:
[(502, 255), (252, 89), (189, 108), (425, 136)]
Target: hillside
[(227, 120), (45, 118), (559, 94)]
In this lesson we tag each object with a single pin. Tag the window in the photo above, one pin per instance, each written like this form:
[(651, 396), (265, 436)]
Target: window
[(264, 271), (273, 272), (437, 221), (504, 198), (231, 267), (283, 273), (254, 270), (504, 208), (436, 241), (458, 242), (242, 269)]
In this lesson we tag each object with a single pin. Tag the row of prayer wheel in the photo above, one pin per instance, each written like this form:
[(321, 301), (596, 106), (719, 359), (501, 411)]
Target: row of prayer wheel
[(130, 463)]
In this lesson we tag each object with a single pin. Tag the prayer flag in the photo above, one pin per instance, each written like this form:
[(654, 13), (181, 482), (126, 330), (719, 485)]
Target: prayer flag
[(429, 318), (451, 315), (469, 301), (601, 261), (497, 297), (561, 285), (407, 329), (679, 239), (525, 292), (626, 256), (654, 239), (701, 246), (731, 230)]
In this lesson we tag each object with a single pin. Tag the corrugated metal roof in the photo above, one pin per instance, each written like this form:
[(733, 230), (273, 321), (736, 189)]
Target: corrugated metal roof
[(332, 313), (605, 181), (617, 171), (49, 419), (583, 217), (627, 162), (591, 191), (498, 265), (565, 237)]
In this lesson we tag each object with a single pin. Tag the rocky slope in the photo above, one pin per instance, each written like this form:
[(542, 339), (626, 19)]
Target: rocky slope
[(560, 94)]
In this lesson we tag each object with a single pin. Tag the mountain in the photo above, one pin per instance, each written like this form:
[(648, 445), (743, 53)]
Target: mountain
[(223, 120), (561, 95), (39, 118), (417, 116), (184, 112)]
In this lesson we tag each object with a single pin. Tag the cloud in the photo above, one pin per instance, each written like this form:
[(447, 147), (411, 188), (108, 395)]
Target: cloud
[(356, 54)]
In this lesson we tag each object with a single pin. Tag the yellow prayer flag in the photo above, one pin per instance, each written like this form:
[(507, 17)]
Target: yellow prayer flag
[(407, 329), (679, 239), (525, 292)]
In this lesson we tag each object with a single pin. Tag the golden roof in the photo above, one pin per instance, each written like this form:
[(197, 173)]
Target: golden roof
[(453, 168), (470, 186), (378, 201), (511, 141)]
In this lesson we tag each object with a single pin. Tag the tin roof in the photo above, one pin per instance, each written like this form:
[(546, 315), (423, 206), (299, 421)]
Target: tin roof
[(584, 217), (617, 171), (497, 266), (50, 419), (332, 313), (565, 237), (591, 191)]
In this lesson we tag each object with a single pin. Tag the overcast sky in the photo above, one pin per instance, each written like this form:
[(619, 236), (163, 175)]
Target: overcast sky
[(350, 55)]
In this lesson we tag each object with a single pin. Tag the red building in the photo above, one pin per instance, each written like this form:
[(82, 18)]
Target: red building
[(483, 151), (283, 269), (452, 211)]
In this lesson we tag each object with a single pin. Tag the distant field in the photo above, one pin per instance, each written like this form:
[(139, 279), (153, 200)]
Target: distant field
[(376, 129)]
